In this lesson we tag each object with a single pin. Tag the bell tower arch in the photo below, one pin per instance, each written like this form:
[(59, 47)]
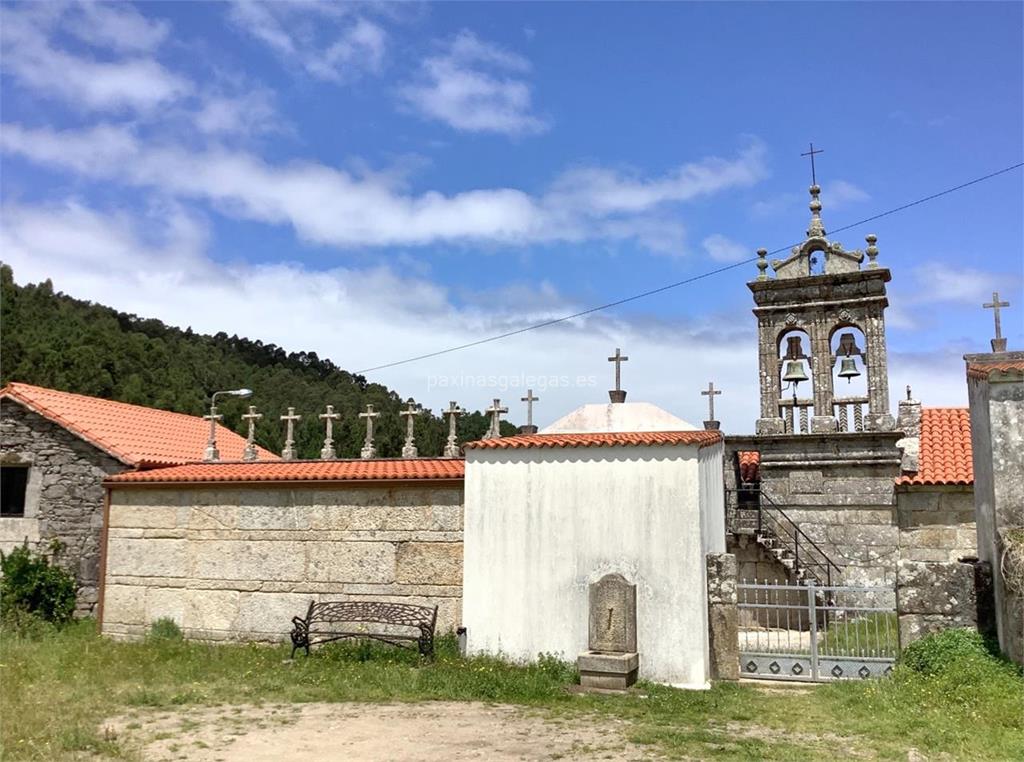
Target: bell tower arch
[(821, 290)]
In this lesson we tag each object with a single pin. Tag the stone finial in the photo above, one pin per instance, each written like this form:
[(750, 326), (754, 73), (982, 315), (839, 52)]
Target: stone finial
[(328, 452), (871, 250), (495, 411), (451, 446), (409, 449), (762, 264), (617, 394), (250, 452), (369, 449), (288, 453), (817, 228), (212, 453), (529, 399), (998, 343), (711, 424)]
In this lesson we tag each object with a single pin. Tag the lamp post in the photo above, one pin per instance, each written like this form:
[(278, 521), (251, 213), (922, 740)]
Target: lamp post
[(212, 453)]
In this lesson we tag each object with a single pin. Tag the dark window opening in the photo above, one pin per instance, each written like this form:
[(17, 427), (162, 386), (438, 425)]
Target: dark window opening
[(13, 481)]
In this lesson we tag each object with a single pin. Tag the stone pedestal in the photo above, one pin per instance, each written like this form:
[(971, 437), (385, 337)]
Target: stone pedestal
[(610, 672), (823, 424), (770, 426), (527, 430)]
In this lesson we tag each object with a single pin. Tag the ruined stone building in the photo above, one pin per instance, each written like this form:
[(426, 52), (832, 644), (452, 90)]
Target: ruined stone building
[(57, 448)]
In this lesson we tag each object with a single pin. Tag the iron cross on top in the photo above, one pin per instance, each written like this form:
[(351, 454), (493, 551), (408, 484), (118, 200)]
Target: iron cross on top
[(812, 153)]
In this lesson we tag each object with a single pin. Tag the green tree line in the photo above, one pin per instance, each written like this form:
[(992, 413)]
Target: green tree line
[(54, 340)]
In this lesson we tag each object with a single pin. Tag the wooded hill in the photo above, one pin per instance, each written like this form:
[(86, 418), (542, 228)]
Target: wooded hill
[(51, 339)]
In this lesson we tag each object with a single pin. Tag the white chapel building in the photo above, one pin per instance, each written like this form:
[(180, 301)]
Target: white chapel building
[(622, 488)]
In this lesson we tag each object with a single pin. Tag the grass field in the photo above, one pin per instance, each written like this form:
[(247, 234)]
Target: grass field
[(57, 688)]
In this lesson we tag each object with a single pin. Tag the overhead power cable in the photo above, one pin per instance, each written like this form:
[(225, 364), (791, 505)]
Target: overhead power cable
[(685, 281)]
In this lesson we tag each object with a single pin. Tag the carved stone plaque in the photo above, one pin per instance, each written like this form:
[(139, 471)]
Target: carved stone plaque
[(613, 615)]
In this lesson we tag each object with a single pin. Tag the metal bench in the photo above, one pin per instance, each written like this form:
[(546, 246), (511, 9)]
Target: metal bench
[(398, 624)]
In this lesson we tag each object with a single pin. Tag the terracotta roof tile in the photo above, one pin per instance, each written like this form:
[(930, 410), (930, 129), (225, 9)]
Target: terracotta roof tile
[(137, 436), (299, 470), (945, 452), (944, 456), (749, 464), (985, 369), (611, 439)]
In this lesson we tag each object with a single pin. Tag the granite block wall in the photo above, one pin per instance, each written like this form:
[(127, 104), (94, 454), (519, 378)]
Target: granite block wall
[(231, 563)]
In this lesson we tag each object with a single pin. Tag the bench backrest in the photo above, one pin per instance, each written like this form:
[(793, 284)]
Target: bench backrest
[(377, 612)]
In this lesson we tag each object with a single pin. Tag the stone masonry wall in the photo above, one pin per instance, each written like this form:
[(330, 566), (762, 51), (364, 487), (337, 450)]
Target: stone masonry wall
[(64, 498), (936, 523), (238, 563), (723, 617), (934, 596)]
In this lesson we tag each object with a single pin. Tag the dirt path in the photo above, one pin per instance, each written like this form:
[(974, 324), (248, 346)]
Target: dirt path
[(354, 732)]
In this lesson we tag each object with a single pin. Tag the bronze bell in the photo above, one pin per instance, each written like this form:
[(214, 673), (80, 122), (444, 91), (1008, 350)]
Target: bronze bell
[(793, 349), (848, 346), (795, 372), (848, 369)]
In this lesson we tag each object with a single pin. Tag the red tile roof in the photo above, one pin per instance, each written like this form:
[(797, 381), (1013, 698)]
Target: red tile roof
[(945, 452), (300, 470), (750, 462), (612, 439), (944, 456), (142, 437), (985, 369)]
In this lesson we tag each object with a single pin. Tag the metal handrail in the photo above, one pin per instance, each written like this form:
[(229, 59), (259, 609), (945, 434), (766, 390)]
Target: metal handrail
[(793, 530)]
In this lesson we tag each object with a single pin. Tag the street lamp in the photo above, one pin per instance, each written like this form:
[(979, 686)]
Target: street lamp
[(211, 446)]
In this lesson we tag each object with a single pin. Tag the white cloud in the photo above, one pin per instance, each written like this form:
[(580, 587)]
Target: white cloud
[(245, 112), (329, 41), (167, 274), (962, 285), (331, 206), (135, 82), (474, 86), (723, 249), (839, 194)]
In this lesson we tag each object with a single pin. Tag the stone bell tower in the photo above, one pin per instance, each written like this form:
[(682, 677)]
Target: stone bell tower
[(826, 446), (820, 291)]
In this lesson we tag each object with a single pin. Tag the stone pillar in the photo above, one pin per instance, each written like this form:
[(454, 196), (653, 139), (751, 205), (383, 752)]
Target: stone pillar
[(823, 421), (770, 421), (909, 422), (878, 418), (931, 597), (723, 617)]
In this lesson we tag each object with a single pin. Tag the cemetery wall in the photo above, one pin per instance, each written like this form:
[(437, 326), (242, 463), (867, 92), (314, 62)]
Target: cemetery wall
[(63, 497), (237, 563), (542, 524)]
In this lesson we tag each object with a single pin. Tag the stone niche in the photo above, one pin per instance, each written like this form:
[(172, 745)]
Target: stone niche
[(611, 663)]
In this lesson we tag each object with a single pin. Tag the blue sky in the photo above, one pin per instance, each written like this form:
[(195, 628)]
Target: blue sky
[(374, 182)]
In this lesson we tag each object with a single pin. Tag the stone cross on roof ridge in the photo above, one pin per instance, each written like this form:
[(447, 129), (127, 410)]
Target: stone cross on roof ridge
[(451, 447), (529, 399), (409, 449), (288, 453), (617, 394), (998, 343), (711, 424), (212, 453), (369, 449), (250, 452), (495, 411), (328, 452)]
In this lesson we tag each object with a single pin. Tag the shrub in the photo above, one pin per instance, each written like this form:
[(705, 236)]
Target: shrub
[(32, 583), (164, 628), (939, 652)]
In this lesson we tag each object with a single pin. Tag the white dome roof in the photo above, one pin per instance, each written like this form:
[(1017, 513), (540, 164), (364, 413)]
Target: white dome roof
[(618, 416)]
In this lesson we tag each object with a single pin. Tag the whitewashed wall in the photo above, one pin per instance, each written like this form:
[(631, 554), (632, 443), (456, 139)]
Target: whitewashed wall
[(542, 524), (231, 563)]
